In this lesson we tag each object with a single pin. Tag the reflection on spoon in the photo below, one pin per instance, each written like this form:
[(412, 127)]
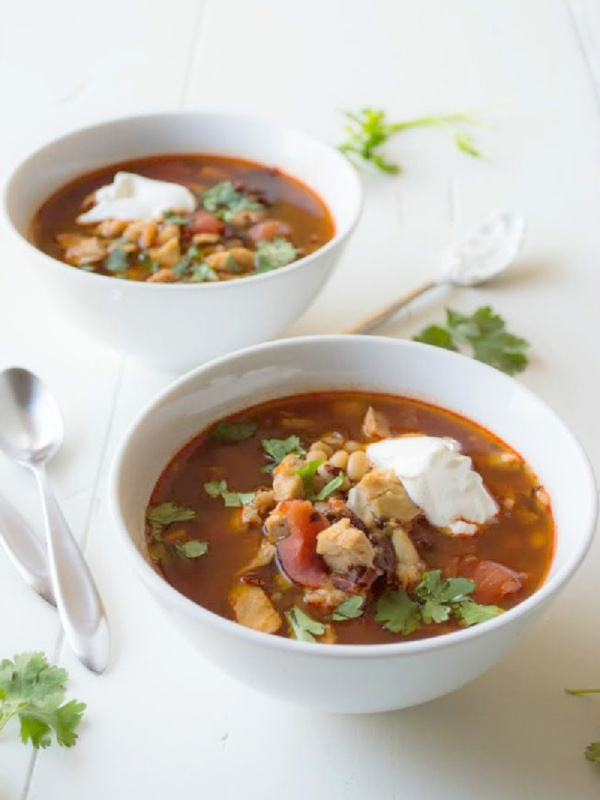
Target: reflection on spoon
[(485, 252), (31, 432)]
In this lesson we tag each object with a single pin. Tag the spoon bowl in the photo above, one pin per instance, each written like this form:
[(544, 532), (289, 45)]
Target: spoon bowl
[(31, 432)]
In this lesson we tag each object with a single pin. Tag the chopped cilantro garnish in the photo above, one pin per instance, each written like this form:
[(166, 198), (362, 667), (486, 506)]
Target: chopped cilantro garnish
[(303, 627), (331, 487), (233, 431), (173, 218), (159, 517), (34, 691), (202, 273), (224, 200), (397, 612), (231, 499), (437, 595), (116, 261), (485, 333), (274, 254), (307, 473), (191, 549), (278, 449), (351, 608), (369, 129)]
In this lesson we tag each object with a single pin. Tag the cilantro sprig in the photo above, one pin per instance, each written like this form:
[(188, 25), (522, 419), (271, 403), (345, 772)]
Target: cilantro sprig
[(485, 333), (592, 751), (436, 599), (34, 692), (350, 608), (368, 130), (230, 498)]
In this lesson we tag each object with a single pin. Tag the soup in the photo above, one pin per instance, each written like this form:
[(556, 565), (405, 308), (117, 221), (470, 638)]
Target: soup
[(350, 517), (199, 218)]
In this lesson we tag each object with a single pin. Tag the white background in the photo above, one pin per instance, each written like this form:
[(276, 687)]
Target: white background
[(162, 722)]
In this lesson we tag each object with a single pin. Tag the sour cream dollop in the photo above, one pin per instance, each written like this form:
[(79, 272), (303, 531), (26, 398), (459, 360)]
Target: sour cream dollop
[(132, 196), (439, 479)]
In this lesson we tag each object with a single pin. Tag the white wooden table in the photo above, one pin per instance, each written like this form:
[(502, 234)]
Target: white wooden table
[(161, 722)]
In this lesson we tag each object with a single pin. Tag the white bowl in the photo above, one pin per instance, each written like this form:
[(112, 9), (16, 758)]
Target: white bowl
[(178, 326), (354, 678)]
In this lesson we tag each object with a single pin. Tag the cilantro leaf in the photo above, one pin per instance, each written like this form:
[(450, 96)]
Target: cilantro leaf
[(191, 549), (368, 129), (278, 449), (307, 473), (173, 218), (485, 333), (471, 613), (303, 627), (351, 608), (397, 612), (34, 692), (231, 499), (202, 272), (226, 201), (116, 261), (233, 431), (159, 517), (592, 752), (274, 254), (331, 487)]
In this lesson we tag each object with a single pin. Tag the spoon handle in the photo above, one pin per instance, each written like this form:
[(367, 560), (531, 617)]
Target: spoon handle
[(376, 318), (79, 605), (25, 550)]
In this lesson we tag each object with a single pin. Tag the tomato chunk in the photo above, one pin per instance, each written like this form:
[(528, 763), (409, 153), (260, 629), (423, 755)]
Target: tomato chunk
[(205, 222), (493, 580), (268, 229), (297, 552)]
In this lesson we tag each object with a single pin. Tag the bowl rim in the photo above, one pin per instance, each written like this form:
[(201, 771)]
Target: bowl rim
[(10, 182), (549, 588)]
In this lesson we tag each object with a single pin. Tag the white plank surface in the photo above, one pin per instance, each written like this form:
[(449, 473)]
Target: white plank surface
[(161, 721)]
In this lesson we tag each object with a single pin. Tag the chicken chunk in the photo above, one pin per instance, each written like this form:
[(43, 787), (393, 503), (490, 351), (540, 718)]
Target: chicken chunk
[(381, 496), (254, 512), (265, 554), (409, 566), (326, 597), (276, 525), (253, 609), (287, 485), (81, 250), (343, 546), (375, 425)]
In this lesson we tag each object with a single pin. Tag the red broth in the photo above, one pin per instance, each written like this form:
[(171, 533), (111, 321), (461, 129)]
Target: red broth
[(507, 559), (207, 245)]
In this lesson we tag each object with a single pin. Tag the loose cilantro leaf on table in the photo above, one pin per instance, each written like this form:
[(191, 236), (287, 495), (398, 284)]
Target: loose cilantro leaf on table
[(592, 751), (351, 608), (485, 333), (274, 254), (369, 129), (231, 499), (34, 692), (278, 449), (233, 431), (224, 200), (303, 627)]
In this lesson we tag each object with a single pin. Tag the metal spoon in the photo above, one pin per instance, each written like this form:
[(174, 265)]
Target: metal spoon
[(26, 550), (31, 432), (484, 253)]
